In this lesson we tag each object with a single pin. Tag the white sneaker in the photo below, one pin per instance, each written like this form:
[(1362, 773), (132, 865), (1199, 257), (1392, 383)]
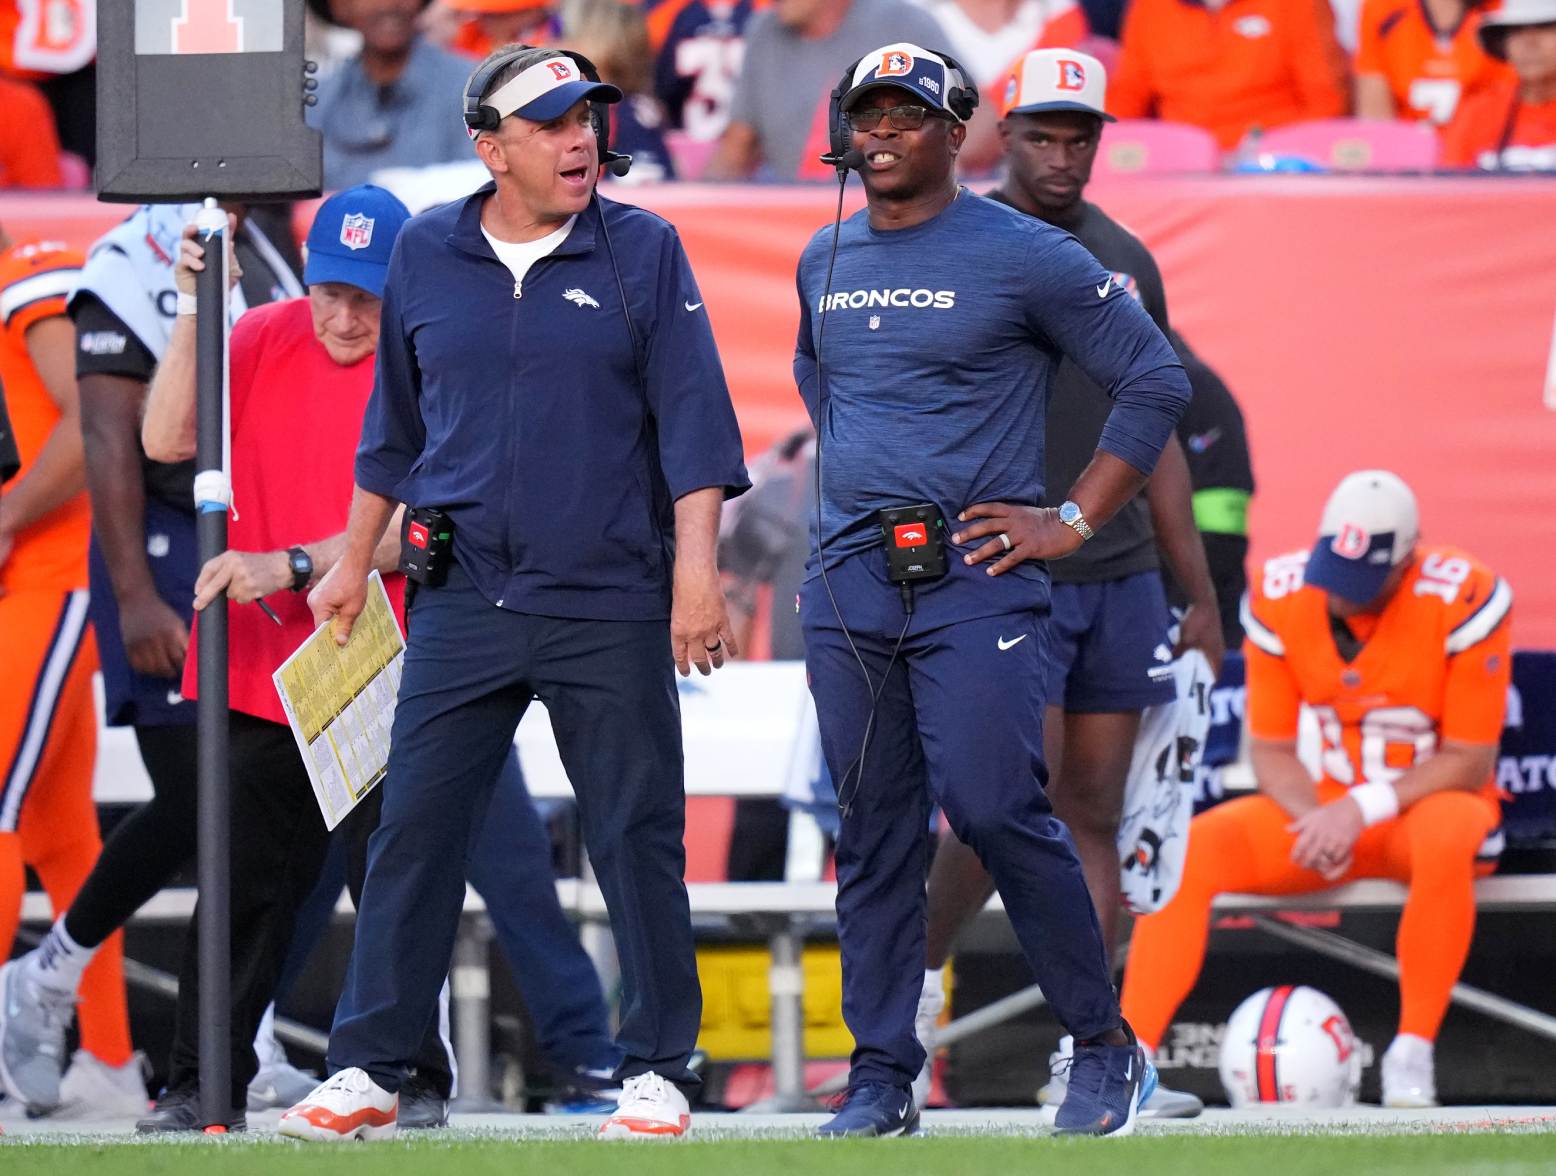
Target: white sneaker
[(92, 1090), (926, 1027), (349, 1105), (1052, 1092), (651, 1108), (279, 1084), (1407, 1073)]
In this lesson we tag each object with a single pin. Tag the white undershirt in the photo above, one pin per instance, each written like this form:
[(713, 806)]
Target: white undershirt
[(518, 256), (988, 55)]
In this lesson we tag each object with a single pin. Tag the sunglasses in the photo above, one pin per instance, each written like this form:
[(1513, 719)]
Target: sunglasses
[(902, 118)]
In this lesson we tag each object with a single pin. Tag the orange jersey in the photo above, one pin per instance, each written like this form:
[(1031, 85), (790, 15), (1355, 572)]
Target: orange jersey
[(1251, 63), (1494, 130), (1427, 72), (34, 280), (29, 142), (1436, 665), (39, 38)]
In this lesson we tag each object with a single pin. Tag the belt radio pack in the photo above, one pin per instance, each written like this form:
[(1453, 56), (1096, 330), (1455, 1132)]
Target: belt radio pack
[(426, 546), (915, 543)]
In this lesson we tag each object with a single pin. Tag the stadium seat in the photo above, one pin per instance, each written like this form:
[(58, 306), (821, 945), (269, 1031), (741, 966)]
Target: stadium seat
[(75, 173), (690, 155), (1148, 147), (1357, 144)]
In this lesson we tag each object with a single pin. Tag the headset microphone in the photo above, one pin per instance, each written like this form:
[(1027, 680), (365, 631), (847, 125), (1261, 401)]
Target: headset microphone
[(616, 163), (850, 160)]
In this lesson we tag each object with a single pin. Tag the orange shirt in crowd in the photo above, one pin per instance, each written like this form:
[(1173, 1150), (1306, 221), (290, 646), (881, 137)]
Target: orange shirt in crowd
[(1496, 131), (41, 38), (1427, 74), (1435, 665), (1247, 64), (34, 280), (29, 144)]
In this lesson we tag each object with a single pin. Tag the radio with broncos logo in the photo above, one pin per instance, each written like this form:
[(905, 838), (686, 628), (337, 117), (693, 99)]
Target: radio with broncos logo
[(915, 542)]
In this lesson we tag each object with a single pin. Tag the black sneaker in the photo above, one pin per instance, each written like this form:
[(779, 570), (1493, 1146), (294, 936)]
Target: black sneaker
[(421, 1105), (179, 1110), (1105, 1088), (873, 1109)]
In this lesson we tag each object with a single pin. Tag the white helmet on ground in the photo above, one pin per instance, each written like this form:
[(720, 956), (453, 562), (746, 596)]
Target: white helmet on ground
[(1290, 1046)]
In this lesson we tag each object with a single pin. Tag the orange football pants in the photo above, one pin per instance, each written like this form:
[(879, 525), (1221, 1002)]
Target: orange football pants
[(1243, 847), (48, 749)]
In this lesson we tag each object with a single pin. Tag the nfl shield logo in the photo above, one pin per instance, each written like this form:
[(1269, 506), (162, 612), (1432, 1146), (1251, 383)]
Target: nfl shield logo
[(356, 231), (875, 322)]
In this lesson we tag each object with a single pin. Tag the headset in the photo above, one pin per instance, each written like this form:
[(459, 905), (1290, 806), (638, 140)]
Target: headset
[(480, 117), (961, 99)]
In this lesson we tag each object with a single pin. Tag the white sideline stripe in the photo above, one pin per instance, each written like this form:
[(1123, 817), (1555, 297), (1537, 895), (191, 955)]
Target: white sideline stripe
[(1484, 622), (52, 680), (1260, 634), (53, 284)]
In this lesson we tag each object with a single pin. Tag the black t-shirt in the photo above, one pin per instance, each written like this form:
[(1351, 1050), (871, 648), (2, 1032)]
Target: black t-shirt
[(1214, 438), (106, 346), (1078, 409)]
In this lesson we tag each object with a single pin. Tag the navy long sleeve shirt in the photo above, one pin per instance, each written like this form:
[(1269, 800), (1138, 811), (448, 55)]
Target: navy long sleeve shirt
[(526, 418), (941, 343)]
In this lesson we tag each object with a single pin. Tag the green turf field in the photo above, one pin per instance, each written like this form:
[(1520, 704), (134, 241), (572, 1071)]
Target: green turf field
[(1461, 1154)]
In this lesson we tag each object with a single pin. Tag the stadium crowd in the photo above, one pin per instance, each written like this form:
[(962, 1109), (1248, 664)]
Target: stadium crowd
[(103, 390), (737, 89)]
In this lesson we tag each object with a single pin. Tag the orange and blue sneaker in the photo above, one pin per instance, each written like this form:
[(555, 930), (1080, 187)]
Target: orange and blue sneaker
[(347, 1105), (1107, 1084), (873, 1109)]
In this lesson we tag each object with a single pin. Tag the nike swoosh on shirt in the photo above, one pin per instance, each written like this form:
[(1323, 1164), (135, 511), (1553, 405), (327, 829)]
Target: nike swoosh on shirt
[(1004, 645), (1102, 290), (693, 305)]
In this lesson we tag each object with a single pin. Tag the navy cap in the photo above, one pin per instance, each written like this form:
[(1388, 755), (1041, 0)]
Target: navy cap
[(352, 236), (908, 67), (1369, 528), (547, 90)]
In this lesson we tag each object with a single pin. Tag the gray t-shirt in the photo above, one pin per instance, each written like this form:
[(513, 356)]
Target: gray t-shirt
[(411, 122), (787, 79)]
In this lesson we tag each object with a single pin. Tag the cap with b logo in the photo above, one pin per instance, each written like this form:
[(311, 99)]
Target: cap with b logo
[(907, 66), (1057, 79), (1369, 528), (352, 237), (547, 90)]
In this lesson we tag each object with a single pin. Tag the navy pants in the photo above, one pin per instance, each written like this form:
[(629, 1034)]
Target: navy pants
[(959, 722), (609, 687)]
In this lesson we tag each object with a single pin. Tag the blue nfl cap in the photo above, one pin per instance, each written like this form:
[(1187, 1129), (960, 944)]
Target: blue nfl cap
[(352, 236), (908, 67), (1369, 528)]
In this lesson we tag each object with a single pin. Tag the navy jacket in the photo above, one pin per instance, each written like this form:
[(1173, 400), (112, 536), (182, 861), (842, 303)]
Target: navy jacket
[(526, 418)]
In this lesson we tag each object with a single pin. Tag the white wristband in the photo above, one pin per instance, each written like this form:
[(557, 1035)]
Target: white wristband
[(187, 303), (1377, 800)]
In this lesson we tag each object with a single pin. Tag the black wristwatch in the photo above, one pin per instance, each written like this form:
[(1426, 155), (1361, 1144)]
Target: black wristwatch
[(302, 567)]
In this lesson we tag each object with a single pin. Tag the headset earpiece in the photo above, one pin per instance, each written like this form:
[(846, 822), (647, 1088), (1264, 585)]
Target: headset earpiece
[(480, 117)]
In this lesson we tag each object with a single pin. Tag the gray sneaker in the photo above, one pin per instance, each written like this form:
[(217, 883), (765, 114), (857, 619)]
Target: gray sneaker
[(33, 1020), (1171, 1104)]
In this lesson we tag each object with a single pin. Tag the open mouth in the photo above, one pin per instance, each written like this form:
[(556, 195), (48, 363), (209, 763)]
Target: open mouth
[(881, 159), (576, 175)]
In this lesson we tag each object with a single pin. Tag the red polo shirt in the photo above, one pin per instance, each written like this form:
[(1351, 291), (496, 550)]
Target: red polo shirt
[(296, 420)]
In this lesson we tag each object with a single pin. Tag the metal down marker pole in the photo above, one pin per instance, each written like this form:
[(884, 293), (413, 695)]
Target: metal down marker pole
[(213, 498)]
